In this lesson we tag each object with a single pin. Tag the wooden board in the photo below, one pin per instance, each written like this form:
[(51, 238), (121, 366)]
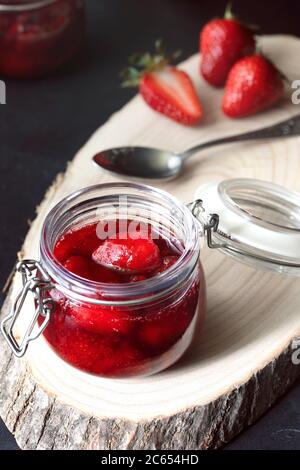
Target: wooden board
[(240, 364)]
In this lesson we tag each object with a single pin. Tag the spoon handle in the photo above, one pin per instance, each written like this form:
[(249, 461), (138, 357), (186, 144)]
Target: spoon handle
[(285, 128)]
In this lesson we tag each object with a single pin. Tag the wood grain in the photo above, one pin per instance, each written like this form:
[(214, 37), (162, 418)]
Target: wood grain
[(239, 365)]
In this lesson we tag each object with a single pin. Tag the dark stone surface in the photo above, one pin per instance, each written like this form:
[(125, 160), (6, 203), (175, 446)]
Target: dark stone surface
[(45, 122)]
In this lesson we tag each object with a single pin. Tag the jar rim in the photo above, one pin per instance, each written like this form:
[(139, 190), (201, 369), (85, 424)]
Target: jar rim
[(134, 293), (19, 7)]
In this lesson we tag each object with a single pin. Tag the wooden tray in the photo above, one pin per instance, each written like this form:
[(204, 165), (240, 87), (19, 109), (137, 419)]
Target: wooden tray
[(241, 363)]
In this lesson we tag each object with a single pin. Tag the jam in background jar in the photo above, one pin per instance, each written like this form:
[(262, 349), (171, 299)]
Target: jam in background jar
[(127, 302), (37, 37)]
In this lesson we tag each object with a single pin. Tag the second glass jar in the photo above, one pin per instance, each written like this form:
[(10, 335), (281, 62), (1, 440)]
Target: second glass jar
[(38, 37)]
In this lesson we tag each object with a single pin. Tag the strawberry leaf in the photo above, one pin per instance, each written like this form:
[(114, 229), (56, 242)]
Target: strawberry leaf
[(141, 63), (131, 77), (160, 47)]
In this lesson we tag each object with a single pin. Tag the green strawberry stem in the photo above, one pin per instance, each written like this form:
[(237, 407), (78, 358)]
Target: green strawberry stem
[(228, 12), (141, 63), (229, 15)]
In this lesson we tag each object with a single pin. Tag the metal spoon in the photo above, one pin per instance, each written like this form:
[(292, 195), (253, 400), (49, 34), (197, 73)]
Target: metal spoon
[(144, 162)]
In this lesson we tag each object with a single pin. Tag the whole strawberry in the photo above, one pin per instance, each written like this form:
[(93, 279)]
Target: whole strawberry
[(165, 88), (253, 84), (222, 43)]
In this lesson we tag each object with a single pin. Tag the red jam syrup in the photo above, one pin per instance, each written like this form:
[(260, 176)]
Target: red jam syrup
[(121, 341), (35, 42)]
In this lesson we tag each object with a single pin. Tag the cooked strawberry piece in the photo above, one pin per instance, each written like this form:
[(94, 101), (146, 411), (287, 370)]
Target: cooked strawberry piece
[(79, 265), (159, 333), (166, 263), (254, 84), (131, 255), (154, 336), (82, 241), (158, 330), (100, 319), (87, 269), (80, 347), (105, 275), (127, 360), (94, 348)]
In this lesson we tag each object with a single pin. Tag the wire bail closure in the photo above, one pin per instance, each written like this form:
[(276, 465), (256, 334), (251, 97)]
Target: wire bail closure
[(36, 281), (210, 227)]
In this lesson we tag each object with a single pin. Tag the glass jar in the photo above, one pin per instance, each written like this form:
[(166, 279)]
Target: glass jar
[(120, 330), (37, 37)]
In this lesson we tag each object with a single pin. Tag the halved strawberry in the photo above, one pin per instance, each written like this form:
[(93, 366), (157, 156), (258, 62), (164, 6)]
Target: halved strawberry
[(165, 88)]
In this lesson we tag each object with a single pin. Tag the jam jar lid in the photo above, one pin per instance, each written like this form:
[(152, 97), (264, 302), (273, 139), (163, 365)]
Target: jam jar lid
[(257, 222)]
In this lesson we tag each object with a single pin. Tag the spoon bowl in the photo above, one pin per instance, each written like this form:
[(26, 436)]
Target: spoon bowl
[(141, 162)]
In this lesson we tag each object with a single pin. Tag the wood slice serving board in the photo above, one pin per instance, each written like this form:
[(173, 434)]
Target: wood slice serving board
[(241, 363)]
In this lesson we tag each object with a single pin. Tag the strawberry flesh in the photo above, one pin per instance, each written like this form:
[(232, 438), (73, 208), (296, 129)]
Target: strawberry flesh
[(171, 92)]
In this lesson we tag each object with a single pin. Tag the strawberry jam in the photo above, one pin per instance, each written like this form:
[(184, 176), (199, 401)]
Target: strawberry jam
[(38, 37), (113, 338)]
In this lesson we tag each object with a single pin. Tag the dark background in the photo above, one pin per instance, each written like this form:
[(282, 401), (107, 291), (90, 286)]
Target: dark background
[(45, 122)]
